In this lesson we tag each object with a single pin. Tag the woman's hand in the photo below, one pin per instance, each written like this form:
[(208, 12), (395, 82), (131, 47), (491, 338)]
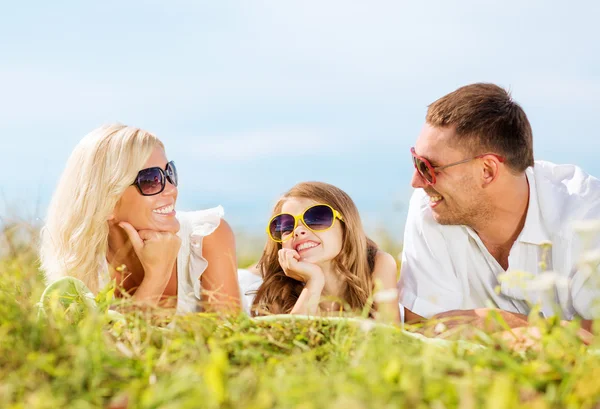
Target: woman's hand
[(157, 251), (302, 271)]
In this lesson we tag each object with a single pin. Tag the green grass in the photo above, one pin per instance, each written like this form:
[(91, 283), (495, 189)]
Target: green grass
[(202, 360)]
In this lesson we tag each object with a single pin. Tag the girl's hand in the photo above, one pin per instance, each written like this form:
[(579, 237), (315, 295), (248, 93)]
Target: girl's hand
[(308, 273), (302, 271), (157, 251)]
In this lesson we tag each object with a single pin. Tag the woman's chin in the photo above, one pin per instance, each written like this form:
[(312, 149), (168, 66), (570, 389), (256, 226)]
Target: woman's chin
[(174, 228), (170, 226)]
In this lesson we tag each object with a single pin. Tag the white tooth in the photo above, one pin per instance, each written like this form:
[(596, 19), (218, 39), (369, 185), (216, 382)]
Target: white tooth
[(306, 246), (164, 210)]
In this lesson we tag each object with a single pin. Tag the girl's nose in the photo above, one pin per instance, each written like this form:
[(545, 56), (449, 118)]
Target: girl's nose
[(300, 230)]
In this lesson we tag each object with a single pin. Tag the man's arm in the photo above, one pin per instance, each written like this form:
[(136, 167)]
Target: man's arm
[(489, 319), (496, 320), (412, 318)]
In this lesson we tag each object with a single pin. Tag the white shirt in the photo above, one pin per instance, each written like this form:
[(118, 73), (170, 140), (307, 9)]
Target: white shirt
[(194, 226), (448, 268), (249, 284)]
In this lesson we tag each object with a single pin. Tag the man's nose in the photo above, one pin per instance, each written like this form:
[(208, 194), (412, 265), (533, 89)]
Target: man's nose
[(417, 181)]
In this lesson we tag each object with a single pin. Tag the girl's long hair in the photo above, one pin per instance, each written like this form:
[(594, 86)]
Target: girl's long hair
[(74, 239), (278, 293)]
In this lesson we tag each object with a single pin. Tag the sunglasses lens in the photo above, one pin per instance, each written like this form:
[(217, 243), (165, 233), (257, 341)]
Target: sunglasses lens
[(171, 172), (423, 169), (281, 226), (150, 181), (319, 218)]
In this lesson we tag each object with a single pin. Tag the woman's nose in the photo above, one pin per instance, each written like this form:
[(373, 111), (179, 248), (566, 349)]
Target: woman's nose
[(170, 189)]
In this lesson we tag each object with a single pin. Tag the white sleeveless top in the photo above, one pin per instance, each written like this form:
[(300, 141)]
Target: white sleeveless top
[(194, 226)]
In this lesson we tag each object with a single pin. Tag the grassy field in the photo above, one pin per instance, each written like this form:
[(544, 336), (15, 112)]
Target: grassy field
[(84, 359)]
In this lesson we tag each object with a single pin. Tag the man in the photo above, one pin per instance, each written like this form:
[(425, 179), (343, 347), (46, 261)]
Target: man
[(482, 208)]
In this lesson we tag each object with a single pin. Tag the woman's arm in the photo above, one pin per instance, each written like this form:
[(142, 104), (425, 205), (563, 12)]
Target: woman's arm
[(385, 277), (220, 289), (157, 253)]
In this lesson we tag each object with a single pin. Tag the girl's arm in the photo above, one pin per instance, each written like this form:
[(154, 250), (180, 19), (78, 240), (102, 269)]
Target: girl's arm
[(311, 274), (385, 277), (220, 289), (308, 302)]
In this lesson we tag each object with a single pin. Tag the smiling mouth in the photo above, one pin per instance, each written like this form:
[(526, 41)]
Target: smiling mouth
[(168, 209), (435, 200), (307, 245)]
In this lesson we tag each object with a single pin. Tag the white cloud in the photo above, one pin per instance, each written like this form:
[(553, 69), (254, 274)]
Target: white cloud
[(343, 81), (560, 90), (219, 59), (271, 143)]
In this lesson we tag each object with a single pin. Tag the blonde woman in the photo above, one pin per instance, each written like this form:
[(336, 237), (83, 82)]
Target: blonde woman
[(319, 259), (113, 216)]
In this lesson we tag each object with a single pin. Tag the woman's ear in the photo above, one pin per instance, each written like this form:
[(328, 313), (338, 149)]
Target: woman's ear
[(111, 217), (112, 221)]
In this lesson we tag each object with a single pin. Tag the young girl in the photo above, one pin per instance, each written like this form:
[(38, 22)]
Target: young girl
[(319, 259)]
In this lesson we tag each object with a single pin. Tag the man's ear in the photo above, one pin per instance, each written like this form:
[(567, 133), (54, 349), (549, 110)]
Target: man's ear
[(491, 169)]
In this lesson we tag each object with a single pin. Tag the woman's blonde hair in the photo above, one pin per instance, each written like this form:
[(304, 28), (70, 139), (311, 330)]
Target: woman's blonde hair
[(74, 240), (278, 293)]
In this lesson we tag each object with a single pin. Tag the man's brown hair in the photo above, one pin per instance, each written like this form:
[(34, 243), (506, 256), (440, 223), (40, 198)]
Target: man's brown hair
[(486, 119)]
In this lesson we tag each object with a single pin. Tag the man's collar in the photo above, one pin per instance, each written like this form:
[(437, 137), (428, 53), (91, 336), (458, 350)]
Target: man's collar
[(533, 231)]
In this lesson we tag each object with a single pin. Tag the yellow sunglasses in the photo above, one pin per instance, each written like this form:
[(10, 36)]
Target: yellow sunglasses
[(317, 218)]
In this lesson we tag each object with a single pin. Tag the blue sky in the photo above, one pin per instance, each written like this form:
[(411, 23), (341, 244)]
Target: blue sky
[(251, 97)]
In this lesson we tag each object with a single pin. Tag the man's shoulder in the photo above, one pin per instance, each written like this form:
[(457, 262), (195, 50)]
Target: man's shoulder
[(566, 193), (570, 176)]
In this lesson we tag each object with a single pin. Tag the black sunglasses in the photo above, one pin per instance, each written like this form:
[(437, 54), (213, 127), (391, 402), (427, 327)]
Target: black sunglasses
[(152, 181), (320, 217)]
